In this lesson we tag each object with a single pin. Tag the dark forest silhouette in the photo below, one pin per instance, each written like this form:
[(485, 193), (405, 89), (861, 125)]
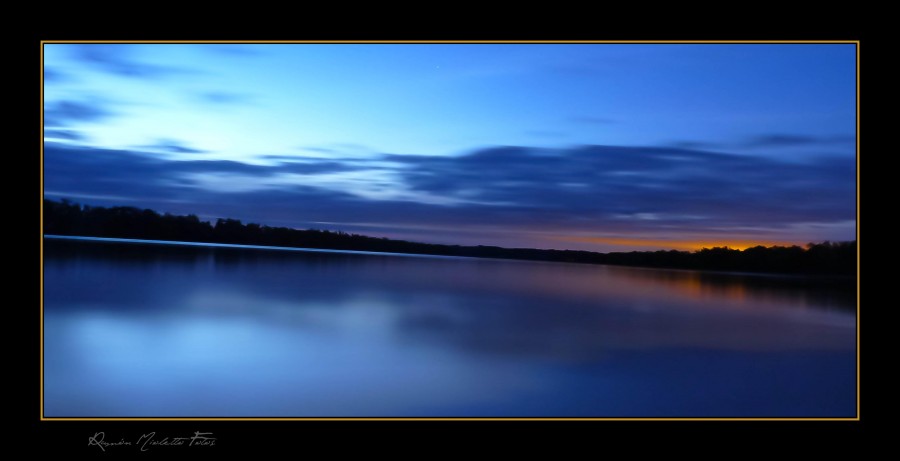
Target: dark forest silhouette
[(72, 219)]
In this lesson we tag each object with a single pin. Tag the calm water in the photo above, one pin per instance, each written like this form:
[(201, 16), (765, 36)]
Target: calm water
[(162, 330)]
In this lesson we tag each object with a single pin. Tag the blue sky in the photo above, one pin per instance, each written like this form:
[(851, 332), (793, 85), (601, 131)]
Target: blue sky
[(585, 146)]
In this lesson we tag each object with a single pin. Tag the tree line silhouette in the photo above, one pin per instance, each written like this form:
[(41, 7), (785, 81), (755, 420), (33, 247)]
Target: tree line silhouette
[(68, 218)]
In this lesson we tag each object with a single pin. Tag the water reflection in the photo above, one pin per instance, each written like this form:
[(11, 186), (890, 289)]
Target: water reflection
[(756, 290), (162, 330)]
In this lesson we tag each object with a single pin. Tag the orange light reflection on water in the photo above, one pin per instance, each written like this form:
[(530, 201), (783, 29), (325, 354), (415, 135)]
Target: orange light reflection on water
[(683, 245)]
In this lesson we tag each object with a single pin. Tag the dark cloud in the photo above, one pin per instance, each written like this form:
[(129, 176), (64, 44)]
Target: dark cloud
[(65, 113), (116, 177), (320, 168), (343, 148), (67, 135), (224, 97), (79, 171), (694, 145), (54, 76), (766, 141), (175, 147), (215, 167), (312, 165), (282, 158), (183, 150), (792, 140), (600, 184), (508, 188), (119, 59)]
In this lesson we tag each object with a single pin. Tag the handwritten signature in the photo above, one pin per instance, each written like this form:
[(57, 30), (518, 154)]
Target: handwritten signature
[(149, 440)]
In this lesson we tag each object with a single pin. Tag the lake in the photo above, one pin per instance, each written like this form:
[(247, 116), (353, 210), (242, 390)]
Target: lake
[(147, 330)]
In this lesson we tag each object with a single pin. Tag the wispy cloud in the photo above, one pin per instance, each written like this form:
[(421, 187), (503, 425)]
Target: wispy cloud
[(792, 140), (54, 76), (173, 146), (766, 141), (225, 97), (345, 150), (119, 59), (66, 135), (693, 145), (65, 113)]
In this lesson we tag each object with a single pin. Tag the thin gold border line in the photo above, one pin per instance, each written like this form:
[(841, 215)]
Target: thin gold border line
[(786, 42)]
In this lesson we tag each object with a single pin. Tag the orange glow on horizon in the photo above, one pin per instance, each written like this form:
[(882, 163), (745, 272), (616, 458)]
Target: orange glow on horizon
[(688, 245)]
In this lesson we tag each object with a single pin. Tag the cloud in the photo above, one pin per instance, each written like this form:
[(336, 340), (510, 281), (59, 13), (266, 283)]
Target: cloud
[(174, 147), (506, 195), (792, 140), (224, 97), (602, 185), (283, 158), (213, 167), (65, 113), (80, 171), (766, 141), (118, 59), (322, 167), (345, 150), (67, 135), (693, 145), (54, 76)]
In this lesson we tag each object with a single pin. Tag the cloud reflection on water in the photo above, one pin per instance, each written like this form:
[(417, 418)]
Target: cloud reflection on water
[(326, 330)]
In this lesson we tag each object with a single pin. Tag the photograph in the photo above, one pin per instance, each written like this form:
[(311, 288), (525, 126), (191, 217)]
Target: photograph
[(448, 230)]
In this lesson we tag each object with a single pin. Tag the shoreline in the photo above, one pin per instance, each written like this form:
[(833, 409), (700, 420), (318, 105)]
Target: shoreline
[(779, 275)]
